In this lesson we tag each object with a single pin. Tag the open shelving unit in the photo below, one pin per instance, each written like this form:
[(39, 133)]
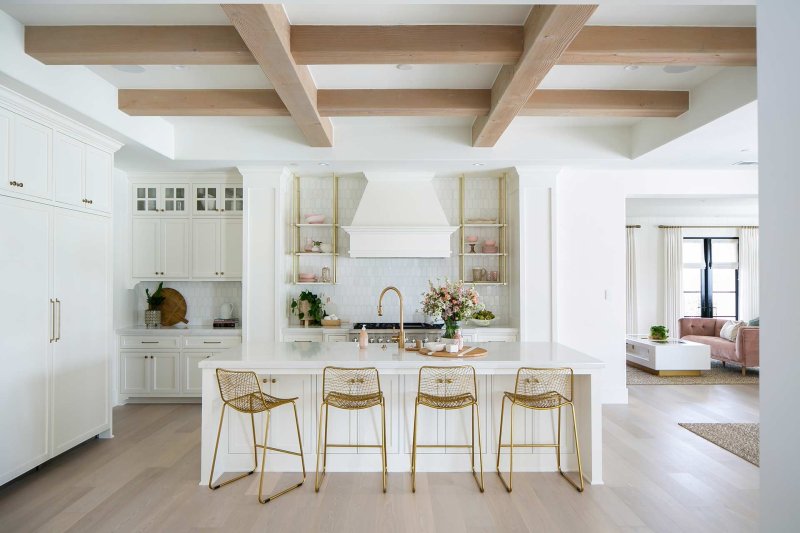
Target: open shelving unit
[(301, 230), (497, 230)]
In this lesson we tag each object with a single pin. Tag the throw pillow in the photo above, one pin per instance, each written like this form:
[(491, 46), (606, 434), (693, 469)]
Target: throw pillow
[(754, 322), (731, 329)]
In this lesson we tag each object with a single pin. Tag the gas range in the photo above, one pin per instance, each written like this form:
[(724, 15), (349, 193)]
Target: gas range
[(380, 332)]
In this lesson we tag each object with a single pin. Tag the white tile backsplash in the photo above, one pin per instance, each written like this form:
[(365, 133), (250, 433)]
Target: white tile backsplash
[(360, 281), (203, 298)]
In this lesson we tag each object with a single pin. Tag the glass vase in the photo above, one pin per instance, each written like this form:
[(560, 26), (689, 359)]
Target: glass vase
[(450, 327)]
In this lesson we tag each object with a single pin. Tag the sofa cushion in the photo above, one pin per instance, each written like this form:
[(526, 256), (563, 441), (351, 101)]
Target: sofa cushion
[(754, 322), (720, 348), (730, 329)]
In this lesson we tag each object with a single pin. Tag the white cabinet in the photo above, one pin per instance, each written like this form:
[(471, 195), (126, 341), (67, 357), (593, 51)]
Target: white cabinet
[(160, 199), (5, 153), (81, 174), (152, 374), (218, 199), (217, 248), (133, 373), (160, 248), (192, 380), (30, 157), (165, 373)]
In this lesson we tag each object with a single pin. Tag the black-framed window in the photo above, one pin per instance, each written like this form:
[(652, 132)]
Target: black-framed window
[(711, 277)]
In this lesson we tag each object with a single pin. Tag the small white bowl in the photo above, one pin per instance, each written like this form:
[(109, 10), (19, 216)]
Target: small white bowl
[(481, 323), (315, 219), (434, 346)]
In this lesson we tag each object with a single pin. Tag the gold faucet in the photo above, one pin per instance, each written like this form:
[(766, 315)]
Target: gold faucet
[(401, 339)]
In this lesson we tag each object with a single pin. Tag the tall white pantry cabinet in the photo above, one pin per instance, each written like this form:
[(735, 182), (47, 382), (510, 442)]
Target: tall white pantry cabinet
[(56, 267)]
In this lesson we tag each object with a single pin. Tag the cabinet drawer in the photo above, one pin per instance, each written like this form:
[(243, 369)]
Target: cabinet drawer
[(210, 343), (149, 343)]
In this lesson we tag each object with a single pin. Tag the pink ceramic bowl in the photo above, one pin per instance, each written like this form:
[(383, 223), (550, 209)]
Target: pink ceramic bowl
[(472, 238), (489, 243), (315, 219)]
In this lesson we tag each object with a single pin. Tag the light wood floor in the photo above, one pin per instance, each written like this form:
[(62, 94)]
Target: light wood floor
[(659, 477)]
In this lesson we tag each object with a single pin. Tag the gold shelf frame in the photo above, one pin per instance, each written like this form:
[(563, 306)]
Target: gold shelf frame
[(501, 225), (297, 251)]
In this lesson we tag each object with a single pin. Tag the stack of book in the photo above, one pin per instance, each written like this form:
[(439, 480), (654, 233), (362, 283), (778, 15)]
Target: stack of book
[(226, 322)]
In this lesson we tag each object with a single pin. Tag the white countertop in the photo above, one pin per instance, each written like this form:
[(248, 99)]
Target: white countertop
[(181, 330), (311, 358)]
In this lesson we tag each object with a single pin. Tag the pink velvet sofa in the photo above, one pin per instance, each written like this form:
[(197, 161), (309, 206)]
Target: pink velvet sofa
[(743, 352)]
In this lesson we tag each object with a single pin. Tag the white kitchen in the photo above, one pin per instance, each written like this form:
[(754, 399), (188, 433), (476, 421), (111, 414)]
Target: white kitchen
[(310, 266)]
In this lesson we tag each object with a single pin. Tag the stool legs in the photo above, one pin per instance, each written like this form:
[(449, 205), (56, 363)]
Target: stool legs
[(579, 486), (500, 445), (264, 458), (216, 448), (383, 443)]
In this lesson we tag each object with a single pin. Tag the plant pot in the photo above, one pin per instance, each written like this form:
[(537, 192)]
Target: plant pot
[(152, 318)]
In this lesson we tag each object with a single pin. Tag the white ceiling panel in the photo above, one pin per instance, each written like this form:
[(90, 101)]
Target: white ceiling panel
[(642, 15), (382, 15), (186, 77), (31, 13), (616, 77), (390, 77)]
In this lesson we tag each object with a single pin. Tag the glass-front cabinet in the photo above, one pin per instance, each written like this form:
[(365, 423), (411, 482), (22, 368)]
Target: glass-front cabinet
[(213, 199), (160, 199), (233, 199)]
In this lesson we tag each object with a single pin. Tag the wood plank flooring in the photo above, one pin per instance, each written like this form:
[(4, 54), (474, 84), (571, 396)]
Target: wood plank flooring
[(659, 477)]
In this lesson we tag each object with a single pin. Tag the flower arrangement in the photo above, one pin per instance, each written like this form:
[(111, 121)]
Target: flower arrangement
[(452, 302)]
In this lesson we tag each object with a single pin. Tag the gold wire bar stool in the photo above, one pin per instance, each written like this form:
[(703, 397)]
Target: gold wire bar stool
[(448, 388), (241, 391), (541, 389), (349, 389)]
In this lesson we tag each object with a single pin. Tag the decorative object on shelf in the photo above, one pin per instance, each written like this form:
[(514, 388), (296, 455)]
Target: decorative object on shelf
[(307, 277), (482, 318), (226, 311), (226, 323), (493, 276), (152, 316), (659, 333), (316, 247), (472, 240), (309, 308), (478, 274), (326, 247), (317, 242), (474, 193), (452, 302), (315, 219), (489, 247), (173, 308), (309, 244), (326, 275), (331, 321)]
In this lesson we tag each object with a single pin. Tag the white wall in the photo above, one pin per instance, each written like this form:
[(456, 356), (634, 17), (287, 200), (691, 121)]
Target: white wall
[(779, 130)]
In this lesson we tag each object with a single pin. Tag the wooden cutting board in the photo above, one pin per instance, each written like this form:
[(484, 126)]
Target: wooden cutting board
[(173, 308), (466, 352)]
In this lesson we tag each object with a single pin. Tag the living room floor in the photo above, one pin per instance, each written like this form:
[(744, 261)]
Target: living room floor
[(659, 477)]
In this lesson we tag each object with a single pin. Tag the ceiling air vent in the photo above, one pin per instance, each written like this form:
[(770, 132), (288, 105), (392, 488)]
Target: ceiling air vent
[(746, 164)]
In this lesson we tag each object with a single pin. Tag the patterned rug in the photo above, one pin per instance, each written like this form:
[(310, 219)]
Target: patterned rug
[(739, 439), (718, 375)]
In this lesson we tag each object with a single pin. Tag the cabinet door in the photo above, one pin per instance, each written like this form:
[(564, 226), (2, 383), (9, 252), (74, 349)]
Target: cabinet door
[(5, 154), (282, 429), (25, 329), (175, 199), (81, 275), (175, 248), (145, 199), (206, 199), (134, 373), (165, 373), (145, 248), (30, 157), (98, 177), (230, 248), (205, 248), (68, 170), (232, 199), (192, 382)]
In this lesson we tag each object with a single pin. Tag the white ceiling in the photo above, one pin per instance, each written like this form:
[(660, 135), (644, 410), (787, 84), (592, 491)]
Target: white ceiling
[(691, 207)]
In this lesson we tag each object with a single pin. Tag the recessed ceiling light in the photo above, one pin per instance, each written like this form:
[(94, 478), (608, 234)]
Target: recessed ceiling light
[(678, 69), (292, 164), (403, 66), (745, 150), (746, 163), (130, 69), (179, 67), (324, 164), (631, 68), (477, 164)]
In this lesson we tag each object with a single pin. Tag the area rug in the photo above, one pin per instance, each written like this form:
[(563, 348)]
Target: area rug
[(739, 439), (718, 375)]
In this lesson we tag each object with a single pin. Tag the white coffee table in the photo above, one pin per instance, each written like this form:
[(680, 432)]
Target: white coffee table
[(674, 357)]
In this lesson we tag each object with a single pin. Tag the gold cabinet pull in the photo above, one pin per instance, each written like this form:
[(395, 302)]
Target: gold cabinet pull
[(58, 335), (52, 320)]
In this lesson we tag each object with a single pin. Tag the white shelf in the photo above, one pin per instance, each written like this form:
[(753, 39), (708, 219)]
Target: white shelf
[(321, 254), (314, 283), (486, 282), (483, 225), (316, 225), (467, 254)]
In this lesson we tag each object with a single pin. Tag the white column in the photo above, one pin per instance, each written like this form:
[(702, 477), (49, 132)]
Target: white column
[(531, 201), (778, 131), (266, 222)]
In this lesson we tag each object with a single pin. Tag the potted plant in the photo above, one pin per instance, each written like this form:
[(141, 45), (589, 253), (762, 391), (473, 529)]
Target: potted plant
[(309, 308), (483, 317), (452, 302), (659, 333), (152, 316)]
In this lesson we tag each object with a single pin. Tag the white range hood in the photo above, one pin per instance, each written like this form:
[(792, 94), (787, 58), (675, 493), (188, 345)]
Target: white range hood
[(399, 216)]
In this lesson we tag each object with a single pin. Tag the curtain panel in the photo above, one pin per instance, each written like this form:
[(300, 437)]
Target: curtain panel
[(630, 290), (748, 273), (673, 279)]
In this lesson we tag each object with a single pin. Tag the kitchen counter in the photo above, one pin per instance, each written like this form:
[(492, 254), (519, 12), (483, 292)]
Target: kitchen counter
[(292, 369), (181, 331)]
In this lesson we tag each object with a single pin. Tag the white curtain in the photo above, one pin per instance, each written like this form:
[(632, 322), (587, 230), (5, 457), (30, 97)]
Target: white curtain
[(630, 293), (748, 273), (673, 279)]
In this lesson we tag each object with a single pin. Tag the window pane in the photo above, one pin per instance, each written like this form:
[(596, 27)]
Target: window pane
[(201, 192), (179, 205), (169, 192), (151, 192), (724, 304), (691, 304), (725, 250), (724, 279), (228, 192), (168, 205), (179, 192), (200, 205), (691, 279), (140, 205), (693, 252), (151, 205), (140, 192)]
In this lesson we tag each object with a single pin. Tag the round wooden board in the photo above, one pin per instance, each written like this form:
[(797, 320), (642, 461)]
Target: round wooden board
[(466, 352), (173, 309)]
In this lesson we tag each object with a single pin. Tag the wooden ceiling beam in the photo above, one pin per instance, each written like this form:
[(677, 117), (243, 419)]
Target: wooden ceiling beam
[(265, 30), (662, 45), (402, 102), (549, 30), (222, 45)]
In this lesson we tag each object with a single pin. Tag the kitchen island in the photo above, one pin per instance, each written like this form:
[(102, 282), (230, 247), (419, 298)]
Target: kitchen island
[(294, 369)]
